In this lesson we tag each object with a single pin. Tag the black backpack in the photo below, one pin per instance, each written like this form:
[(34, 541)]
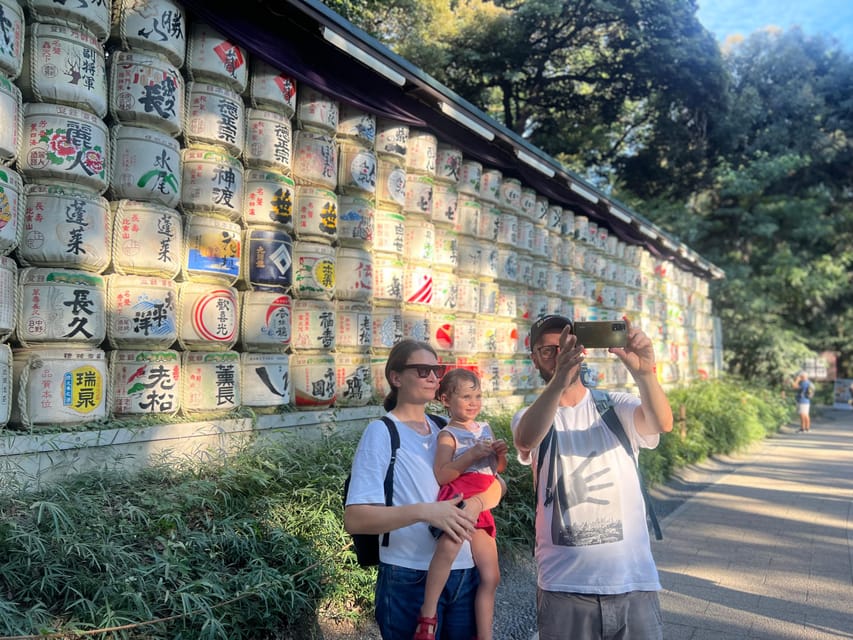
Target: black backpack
[(366, 545)]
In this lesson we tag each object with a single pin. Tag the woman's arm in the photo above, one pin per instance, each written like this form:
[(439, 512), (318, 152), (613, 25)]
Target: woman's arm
[(376, 518)]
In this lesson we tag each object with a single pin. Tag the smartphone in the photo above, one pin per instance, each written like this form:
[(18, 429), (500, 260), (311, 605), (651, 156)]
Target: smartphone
[(601, 334)]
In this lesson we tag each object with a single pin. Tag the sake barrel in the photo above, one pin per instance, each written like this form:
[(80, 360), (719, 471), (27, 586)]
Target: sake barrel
[(355, 221), (507, 265), (540, 275), (510, 195), (419, 240), (63, 386), (390, 183), (469, 257), (148, 239), (65, 145), (313, 379), (208, 317), (357, 125), (269, 141), (146, 89), (525, 269), (445, 200), (421, 152), (12, 117), (141, 312), (267, 259), (392, 139), (212, 182), (389, 231), (66, 228), (268, 198), (89, 16), (266, 319), (387, 325), (145, 382), (442, 325), (419, 191), (540, 242), (489, 296), (465, 332), (211, 383), (581, 229), (213, 249), (271, 89), (525, 235), (527, 205), (417, 283), (468, 294), (314, 270), (554, 219), (522, 303), (8, 297), (567, 223), (316, 111), (542, 210), (12, 206), (469, 177), (507, 302), (12, 42), (315, 216), (266, 379), (446, 248), (353, 326), (211, 57), (5, 384), (315, 160), (490, 185), (469, 217), (448, 163), (60, 307), (508, 229), (489, 227), (215, 116), (387, 277), (63, 65), (445, 289), (381, 387), (416, 323), (146, 166), (489, 262), (353, 380), (354, 279), (357, 170), (157, 26)]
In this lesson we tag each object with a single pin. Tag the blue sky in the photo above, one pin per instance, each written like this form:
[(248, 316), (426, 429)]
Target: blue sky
[(828, 17)]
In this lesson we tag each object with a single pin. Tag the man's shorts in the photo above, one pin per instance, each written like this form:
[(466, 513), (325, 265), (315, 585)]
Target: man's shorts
[(592, 617), (803, 408)]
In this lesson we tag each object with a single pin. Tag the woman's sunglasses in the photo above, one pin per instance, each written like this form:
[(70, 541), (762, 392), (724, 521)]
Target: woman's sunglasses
[(425, 369)]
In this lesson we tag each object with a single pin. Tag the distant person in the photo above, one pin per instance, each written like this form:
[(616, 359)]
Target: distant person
[(805, 391), (850, 394)]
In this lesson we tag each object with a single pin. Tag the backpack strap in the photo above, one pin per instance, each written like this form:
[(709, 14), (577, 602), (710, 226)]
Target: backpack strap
[(604, 405), (389, 473)]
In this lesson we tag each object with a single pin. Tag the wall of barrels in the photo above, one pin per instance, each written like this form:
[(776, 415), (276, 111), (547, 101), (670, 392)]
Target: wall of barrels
[(184, 231)]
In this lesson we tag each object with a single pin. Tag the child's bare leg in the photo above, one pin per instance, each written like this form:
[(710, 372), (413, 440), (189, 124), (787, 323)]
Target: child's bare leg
[(485, 551), (439, 570)]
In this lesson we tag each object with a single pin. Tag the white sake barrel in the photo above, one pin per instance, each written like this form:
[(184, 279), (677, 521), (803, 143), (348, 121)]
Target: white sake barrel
[(12, 206), (448, 163), (64, 66), (12, 117), (465, 332), (601, 239), (522, 303), (268, 198), (354, 274), (469, 177), (506, 305), (445, 289), (392, 139), (317, 111), (60, 307), (469, 256), (65, 145), (353, 380), (417, 284), (314, 270), (578, 256), (540, 275), (377, 368), (508, 229), (212, 183), (266, 379), (8, 296), (208, 317), (527, 204), (567, 223), (389, 231), (315, 214), (468, 294), (490, 223), (489, 262), (211, 383), (12, 42), (146, 89), (507, 265), (468, 213), (446, 248), (539, 304), (211, 57), (416, 323), (6, 377), (315, 159), (66, 228), (357, 125), (271, 89), (421, 152), (564, 249), (442, 325), (419, 240), (141, 312), (592, 234), (145, 382), (554, 218), (157, 26), (213, 249), (313, 379), (89, 16), (63, 386), (387, 325), (489, 296), (356, 169), (146, 166), (525, 269), (266, 319), (353, 326), (387, 277), (355, 221), (391, 183), (540, 209), (148, 239), (581, 229), (215, 116), (419, 193), (540, 242), (267, 259), (510, 195), (445, 200), (490, 185), (269, 141), (487, 340)]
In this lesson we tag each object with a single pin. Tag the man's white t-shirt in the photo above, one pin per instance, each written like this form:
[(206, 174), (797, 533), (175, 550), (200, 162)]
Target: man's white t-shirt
[(592, 537)]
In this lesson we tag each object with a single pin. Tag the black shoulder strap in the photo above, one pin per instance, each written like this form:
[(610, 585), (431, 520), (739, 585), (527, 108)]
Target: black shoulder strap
[(389, 473), (440, 421)]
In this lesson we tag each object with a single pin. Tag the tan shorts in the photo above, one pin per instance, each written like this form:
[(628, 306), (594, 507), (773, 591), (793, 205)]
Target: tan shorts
[(803, 408), (593, 617)]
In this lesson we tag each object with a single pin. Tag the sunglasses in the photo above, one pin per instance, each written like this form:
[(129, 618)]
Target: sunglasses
[(425, 369)]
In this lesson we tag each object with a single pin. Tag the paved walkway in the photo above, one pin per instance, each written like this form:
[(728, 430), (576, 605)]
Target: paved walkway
[(766, 552)]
